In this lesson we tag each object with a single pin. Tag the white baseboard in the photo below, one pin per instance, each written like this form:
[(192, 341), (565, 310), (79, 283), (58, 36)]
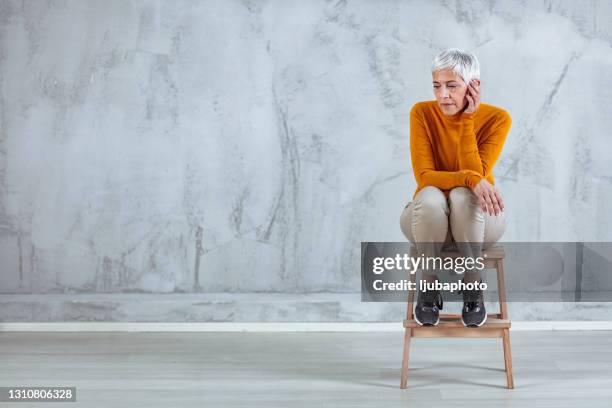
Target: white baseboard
[(269, 327)]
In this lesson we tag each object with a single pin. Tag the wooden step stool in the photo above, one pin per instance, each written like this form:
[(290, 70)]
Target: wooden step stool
[(497, 324)]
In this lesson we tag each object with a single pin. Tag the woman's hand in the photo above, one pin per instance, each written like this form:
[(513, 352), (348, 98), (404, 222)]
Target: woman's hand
[(489, 197), (473, 96)]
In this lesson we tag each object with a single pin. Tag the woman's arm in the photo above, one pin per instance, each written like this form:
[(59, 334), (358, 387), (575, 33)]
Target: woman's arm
[(481, 158), (423, 163)]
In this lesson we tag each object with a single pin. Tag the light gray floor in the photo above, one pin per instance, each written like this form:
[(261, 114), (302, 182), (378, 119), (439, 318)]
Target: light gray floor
[(552, 369)]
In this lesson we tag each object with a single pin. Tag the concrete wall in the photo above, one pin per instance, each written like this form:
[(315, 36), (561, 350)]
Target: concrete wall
[(231, 148)]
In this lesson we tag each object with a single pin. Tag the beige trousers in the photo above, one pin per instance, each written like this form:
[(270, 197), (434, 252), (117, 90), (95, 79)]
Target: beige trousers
[(425, 221)]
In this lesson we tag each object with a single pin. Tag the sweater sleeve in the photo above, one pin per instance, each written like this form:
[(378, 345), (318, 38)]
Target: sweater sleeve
[(481, 158), (423, 162)]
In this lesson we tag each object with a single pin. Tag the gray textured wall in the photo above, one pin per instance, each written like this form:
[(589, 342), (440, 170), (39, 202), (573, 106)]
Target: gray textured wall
[(218, 147)]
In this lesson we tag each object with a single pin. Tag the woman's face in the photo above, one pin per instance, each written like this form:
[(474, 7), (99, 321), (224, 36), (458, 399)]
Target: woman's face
[(449, 90)]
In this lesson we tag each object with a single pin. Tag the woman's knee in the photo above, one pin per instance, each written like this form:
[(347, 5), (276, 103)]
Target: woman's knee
[(429, 215), (466, 216), (462, 198), (464, 206), (431, 202), (426, 217)]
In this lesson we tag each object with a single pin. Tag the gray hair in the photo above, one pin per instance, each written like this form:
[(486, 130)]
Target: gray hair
[(463, 63)]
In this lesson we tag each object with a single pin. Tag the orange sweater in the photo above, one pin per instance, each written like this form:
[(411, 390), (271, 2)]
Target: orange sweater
[(458, 150)]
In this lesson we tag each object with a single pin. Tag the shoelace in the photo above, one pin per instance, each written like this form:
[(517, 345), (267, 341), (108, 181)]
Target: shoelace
[(432, 297), (471, 298)]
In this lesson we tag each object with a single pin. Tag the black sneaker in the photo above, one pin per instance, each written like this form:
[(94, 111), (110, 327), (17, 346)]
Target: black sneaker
[(473, 313), (427, 309)]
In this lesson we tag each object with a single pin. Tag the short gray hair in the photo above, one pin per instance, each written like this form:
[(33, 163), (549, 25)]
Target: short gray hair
[(463, 63)]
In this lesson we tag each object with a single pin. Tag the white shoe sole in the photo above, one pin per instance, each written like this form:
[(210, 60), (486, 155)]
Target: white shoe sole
[(483, 322), (421, 324)]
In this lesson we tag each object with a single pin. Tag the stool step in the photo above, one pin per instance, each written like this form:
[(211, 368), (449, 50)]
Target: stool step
[(457, 316), (493, 327)]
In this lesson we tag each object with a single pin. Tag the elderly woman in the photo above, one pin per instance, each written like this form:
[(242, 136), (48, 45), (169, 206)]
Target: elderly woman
[(454, 144)]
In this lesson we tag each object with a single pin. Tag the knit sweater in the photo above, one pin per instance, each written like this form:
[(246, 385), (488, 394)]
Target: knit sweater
[(458, 150)]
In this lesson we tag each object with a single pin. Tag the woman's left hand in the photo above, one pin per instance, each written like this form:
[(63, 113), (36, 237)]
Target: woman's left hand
[(489, 197), (473, 96)]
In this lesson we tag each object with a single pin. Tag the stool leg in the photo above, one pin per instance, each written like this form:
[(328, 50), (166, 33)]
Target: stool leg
[(503, 309), (508, 359), (408, 333), (501, 289), (404, 378)]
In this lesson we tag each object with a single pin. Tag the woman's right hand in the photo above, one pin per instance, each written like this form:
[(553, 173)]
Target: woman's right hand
[(489, 197)]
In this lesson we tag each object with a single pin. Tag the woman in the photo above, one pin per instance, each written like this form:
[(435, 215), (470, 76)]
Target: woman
[(454, 143)]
